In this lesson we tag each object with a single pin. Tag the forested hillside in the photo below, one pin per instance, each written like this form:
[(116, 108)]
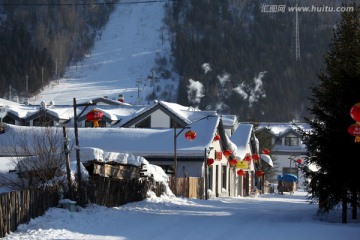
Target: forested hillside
[(251, 69), (38, 40), (234, 56)]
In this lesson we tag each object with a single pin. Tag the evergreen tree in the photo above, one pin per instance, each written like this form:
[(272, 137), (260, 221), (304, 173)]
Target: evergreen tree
[(330, 147)]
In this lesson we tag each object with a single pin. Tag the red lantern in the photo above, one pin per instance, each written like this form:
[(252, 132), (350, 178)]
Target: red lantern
[(247, 158), (94, 116), (227, 153), (299, 161), (255, 157), (355, 112), (233, 162), (210, 161), (190, 135), (266, 151), (354, 129), (259, 173), (241, 172), (217, 137)]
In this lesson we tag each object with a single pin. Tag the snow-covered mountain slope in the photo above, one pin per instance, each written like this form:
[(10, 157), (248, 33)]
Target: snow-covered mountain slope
[(120, 62)]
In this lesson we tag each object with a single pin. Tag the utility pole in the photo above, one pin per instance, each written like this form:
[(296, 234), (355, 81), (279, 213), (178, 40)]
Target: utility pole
[(77, 149), (297, 34), (27, 84), (81, 194), (151, 78)]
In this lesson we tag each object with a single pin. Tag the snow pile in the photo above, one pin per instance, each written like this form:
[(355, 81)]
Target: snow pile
[(90, 153)]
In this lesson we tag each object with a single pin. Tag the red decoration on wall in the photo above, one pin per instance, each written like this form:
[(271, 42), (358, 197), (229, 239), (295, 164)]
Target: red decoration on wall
[(218, 155), (190, 135), (299, 161), (210, 161), (94, 116), (241, 172), (355, 112)]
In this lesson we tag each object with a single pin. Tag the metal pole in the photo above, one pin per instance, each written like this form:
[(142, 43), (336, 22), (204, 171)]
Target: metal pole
[(77, 148)]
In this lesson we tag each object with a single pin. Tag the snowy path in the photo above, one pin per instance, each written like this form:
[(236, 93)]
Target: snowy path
[(265, 217)]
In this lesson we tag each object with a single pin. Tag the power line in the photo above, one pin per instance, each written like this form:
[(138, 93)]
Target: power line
[(84, 4)]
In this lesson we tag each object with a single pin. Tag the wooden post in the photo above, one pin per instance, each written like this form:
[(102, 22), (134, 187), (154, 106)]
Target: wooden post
[(67, 162), (77, 149)]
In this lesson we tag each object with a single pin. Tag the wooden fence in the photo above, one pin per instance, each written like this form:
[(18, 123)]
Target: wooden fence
[(21, 206), (190, 187), (113, 192)]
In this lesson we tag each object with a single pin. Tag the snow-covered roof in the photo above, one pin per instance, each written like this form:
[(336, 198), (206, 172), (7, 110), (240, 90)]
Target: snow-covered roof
[(229, 120), (266, 158), (138, 141), (122, 113), (278, 129), (184, 114), (241, 138)]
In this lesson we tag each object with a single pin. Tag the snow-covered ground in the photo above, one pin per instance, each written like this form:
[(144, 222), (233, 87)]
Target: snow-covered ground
[(268, 216), (120, 61), (126, 53)]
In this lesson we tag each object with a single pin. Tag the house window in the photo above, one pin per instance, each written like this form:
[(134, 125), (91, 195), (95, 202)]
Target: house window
[(8, 120), (224, 176), (291, 140), (43, 121), (146, 123)]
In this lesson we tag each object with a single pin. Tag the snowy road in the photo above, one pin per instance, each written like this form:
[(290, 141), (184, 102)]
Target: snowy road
[(265, 217)]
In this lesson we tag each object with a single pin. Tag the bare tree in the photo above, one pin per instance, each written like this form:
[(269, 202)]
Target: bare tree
[(37, 156)]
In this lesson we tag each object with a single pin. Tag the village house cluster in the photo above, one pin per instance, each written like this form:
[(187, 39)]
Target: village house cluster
[(184, 141)]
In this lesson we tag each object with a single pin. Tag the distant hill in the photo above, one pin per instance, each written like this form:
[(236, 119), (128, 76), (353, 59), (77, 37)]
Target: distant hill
[(39, 40), (251, 68), (235, 56)]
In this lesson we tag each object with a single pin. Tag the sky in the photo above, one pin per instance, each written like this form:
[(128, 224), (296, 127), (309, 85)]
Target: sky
[(127, 53)]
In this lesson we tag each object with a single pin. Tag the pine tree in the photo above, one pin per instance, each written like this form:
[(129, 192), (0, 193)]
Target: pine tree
[(330, 147)]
